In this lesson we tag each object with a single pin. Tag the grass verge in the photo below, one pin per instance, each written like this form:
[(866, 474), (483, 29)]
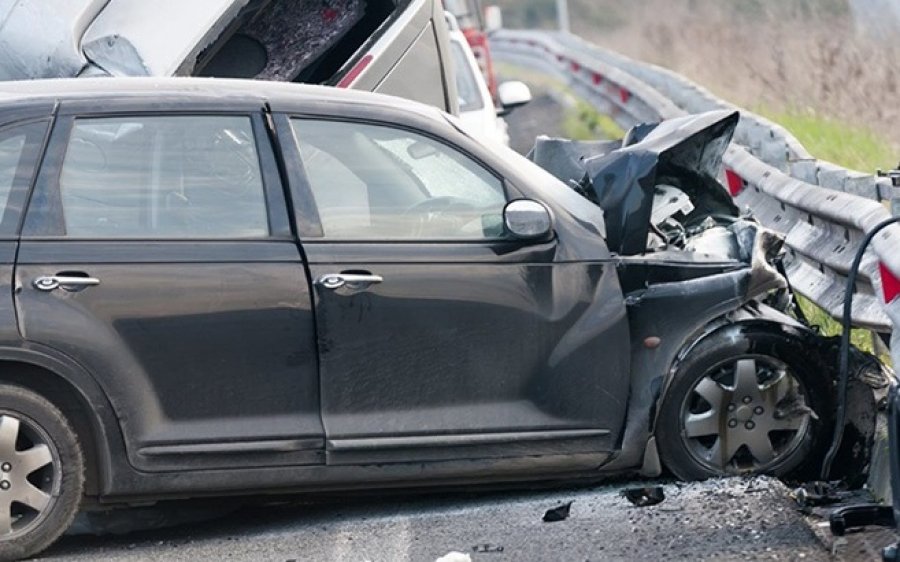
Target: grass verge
[(829, 326), (583, 122), (848, 145)]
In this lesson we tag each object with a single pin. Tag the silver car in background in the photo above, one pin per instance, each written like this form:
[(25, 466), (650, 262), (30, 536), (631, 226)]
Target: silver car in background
[(388, 46)]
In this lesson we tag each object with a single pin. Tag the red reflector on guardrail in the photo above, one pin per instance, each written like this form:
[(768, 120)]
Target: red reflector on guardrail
[(735, 182), (575, 66), (560, 58), (354, 72), (598, 78), (889, 283), (624, 95)]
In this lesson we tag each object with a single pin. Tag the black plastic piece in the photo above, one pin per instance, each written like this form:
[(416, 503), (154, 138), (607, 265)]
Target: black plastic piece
[(854, 516)]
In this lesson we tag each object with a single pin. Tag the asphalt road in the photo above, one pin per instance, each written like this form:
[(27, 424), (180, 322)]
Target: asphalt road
[(734, 519), (542, 116)]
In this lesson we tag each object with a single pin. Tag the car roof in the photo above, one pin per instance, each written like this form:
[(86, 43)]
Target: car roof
[(212, 90)]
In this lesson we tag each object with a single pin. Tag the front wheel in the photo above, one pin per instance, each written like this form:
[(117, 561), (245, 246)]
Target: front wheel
[(745, 402), (41, 473)]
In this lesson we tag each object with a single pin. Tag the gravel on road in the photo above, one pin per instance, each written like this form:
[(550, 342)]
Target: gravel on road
[(732, 519)]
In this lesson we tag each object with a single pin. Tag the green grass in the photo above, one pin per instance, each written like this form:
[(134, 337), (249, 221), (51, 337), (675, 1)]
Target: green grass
[(829, 326), (583, 122), (848, 145)]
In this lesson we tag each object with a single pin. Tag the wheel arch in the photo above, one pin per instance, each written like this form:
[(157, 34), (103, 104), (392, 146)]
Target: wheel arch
[(71, 389), (756, 318)]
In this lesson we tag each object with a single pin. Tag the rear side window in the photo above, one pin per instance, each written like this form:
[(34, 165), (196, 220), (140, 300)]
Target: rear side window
[(159, 177), (19, 151)]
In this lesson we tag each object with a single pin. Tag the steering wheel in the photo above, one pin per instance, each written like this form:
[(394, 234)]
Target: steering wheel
[(232, 163), (439, 211)]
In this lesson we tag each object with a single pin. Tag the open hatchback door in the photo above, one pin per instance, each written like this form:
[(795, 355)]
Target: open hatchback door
[(396, 47)]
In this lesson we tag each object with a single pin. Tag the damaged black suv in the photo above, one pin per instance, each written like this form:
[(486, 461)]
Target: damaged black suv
[(227, 287)]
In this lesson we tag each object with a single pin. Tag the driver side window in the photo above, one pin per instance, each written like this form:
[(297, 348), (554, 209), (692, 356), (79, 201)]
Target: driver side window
[(373, 182)]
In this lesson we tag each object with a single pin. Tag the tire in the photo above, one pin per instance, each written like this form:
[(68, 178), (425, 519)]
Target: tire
[(41, 473), (714, 421)]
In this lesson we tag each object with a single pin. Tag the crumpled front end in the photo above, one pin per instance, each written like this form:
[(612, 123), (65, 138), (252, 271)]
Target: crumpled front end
[(694, 269)]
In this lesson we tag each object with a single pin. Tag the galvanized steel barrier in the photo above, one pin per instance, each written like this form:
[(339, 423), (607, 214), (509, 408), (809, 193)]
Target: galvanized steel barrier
[(824, 211)]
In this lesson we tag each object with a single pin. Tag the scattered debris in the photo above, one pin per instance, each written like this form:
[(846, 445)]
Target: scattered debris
[(819, 493), (558, 513), (454, 557), (643, 497), (486, 548)]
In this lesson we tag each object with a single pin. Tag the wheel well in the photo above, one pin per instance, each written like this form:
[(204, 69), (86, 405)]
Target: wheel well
[(724, 328), (69, 400)]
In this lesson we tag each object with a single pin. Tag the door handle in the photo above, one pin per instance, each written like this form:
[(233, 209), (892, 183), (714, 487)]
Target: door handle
[(67, 282), (355, 281)]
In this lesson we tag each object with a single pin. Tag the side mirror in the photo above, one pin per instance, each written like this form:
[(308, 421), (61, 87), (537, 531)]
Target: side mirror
[(527, 219), (512, 95)]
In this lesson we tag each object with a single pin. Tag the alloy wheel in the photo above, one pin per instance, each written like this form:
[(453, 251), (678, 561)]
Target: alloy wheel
[(744, 415), (30, 475)]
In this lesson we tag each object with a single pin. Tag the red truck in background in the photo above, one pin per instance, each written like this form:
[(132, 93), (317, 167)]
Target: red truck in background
[(470, 15)]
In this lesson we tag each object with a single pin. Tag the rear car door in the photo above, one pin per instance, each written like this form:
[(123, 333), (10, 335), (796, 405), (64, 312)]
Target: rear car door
[(157, 253), (440, 337)]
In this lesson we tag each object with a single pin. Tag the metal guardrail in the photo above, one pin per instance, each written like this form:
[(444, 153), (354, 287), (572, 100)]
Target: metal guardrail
[(824, 211)]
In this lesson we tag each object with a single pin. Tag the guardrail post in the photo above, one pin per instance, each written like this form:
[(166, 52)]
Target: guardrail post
[(895, 200), (806, 170), (894, 177), (562, 15)]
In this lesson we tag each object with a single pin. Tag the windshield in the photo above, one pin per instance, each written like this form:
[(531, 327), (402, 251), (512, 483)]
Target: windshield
[(466, 85)]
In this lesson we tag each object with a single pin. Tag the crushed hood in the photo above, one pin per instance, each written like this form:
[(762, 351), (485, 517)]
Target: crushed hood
[(685, 153)]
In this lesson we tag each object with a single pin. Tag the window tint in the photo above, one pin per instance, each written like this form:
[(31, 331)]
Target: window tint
[(379, 183), (19, 148), (162, 177)]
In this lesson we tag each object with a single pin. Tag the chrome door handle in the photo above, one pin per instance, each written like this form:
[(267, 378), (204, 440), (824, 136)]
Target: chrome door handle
[(69, 283), (350, 280)]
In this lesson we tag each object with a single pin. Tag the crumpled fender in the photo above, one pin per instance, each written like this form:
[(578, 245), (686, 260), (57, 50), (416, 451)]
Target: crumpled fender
[(867, 375)]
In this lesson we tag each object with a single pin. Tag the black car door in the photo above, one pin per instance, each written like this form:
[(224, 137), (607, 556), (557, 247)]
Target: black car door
[(157, 253), (440, 337)]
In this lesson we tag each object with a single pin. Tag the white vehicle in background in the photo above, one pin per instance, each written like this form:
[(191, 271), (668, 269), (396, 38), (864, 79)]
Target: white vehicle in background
[(477, 111)]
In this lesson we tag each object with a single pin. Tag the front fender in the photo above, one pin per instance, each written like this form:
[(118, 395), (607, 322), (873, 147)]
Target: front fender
[(821, 352), (663, 318)]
